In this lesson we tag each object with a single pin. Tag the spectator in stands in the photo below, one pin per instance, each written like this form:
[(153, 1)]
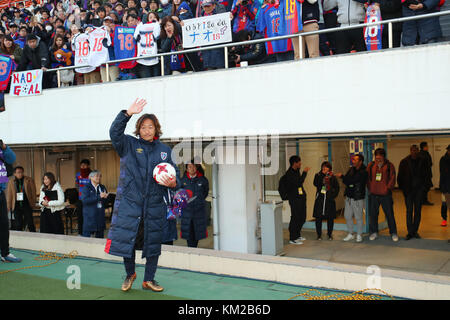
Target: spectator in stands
[(13, 30), (424, 30), (296, 194), (22, 38), (113, 68), (193, 220), (350, 12), (153, 5), (254, 53), (412, 178), (35, 56), (429, 183), (390, 9), (7, 157), (9, 48), (21, 199), (243, 16), (215, 58), (101, 14), (61, 56), (181, 11), (355, 181), (381, 182), (18, 19), (310, 20), (166, 7), (94, 197), (51, 200), (444, 178), (327, 189)]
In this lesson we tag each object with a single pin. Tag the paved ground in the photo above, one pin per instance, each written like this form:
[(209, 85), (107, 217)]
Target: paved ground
[(102, 280)]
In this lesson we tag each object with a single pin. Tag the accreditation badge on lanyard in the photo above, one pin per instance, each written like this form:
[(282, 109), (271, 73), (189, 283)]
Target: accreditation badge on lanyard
[(300, 191), (378, 176), (324, 190)]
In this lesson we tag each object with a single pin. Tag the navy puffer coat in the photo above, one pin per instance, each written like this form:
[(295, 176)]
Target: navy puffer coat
[(196, 210), (138, 195), (93, 216)]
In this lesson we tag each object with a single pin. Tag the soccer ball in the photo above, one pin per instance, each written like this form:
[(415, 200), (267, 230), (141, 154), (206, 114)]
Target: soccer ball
[(163, 169)]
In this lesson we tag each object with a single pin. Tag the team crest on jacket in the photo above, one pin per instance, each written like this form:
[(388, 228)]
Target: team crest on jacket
[(139, 150), (163, 155)]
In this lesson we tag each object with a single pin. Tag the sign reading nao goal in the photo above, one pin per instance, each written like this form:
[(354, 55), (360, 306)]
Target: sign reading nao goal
[(208, 30), (26, 83)]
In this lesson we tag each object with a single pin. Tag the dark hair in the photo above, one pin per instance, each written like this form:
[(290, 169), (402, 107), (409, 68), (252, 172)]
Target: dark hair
[(4, 48), (360, 157), (163, 24), (158, 132), (242, 35), (326, 164), (58, 36), (131, 15), (414, 146), (98, 2), (294, 159), (380, 152), (85, 161), (423, 144), (197, 165), (155, 13), (52, 179), (18, 167), (100, 9), (107, 4)]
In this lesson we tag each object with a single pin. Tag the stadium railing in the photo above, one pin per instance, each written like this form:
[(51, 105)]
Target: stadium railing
[(233, 44)]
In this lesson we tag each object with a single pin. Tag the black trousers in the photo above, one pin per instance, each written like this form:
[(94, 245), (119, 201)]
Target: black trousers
[(51, 222), (298, 217), (396, 36), (413, 201), (350, 39), (387, 204), (444, 211), (23, 217), (330, 226), (4, 226), (192, 242)]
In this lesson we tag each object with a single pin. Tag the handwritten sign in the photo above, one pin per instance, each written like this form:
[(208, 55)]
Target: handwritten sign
[(26, 83), (208, 30)]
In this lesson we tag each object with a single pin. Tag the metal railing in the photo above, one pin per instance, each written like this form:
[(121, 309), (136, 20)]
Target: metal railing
[(249, 42)]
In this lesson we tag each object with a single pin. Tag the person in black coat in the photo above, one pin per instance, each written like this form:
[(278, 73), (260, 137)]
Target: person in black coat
[(412, 179), (297, 198), (429, 183), (325, 205), (193, 220), (444, 179), (35, 56)]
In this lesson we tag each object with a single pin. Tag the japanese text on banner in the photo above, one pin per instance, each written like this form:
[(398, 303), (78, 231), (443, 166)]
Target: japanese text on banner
[(208, 30), (26, 83)]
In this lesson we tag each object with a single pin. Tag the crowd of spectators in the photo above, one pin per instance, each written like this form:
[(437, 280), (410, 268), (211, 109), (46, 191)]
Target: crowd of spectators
[(43, 35)]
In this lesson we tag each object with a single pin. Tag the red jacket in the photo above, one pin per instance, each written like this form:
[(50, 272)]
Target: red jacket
[(387, 182)]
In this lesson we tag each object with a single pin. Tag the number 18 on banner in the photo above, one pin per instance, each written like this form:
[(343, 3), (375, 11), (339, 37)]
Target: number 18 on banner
[(26, 83)]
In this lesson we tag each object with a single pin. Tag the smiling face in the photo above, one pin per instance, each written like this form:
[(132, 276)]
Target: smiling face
[(191, 169), (147, 130)]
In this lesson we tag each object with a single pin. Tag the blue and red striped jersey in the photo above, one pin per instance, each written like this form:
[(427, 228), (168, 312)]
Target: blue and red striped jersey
[(292, 13)]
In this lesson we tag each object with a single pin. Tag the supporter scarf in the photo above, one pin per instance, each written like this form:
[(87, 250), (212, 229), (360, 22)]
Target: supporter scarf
[(373, 35), (7, 66), (177, 60)]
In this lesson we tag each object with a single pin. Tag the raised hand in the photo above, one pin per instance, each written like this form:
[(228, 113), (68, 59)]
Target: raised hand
[(137, 106)]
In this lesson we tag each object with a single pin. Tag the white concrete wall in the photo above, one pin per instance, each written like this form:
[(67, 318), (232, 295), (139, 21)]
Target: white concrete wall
[(399, 89)]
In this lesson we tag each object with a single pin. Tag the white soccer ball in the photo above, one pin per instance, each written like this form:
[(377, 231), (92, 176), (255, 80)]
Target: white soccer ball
[(163, 169)]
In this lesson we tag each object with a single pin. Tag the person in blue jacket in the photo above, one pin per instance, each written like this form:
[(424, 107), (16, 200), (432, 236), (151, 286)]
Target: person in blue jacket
[(193, 220), (7, 156), (94, 197), (139, 204)]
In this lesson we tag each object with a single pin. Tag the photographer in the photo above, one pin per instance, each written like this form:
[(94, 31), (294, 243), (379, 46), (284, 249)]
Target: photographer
[(243, 15), (7, 157), (253, 53)]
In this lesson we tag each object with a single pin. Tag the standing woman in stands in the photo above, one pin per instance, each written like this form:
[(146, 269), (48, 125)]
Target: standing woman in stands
[(11, 49), (193, 220), (51, 200), (139, 210), (325, 205)]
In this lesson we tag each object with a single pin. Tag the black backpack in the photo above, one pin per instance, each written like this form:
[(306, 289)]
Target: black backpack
[(282, 188), (9, 167)]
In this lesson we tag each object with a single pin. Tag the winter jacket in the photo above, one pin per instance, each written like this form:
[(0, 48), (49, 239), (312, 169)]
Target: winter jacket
[(9, 157), (427, 29), (139, 197), (93, 216), (29, 190), (386, 184), (310, 11), (256, 53), (36, 58), (391, 9), (53, 205), (325, 205), (429, 163), (410, 177), (444, 169), (350, 12), (294, 181), (355, 181), (17, 53), (196, 210)]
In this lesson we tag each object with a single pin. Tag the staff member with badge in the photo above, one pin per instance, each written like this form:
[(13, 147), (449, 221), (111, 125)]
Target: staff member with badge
[(94, 197), (21, 199), (139, 210)]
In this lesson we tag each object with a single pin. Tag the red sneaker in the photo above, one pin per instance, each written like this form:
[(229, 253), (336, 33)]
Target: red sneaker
[(444, 223)]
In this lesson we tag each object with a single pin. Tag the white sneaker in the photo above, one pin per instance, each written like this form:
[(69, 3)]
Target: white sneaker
[(349, 237), (300, 239), (295, 242), (394, 237), (359, 238), (373, 236)]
